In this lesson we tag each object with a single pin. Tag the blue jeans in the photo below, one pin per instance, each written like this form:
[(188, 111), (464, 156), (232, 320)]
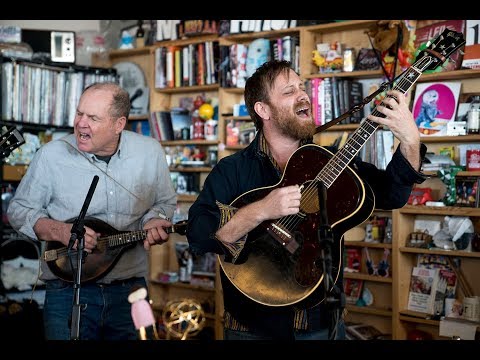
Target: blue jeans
[(106, 314), (229, 334)]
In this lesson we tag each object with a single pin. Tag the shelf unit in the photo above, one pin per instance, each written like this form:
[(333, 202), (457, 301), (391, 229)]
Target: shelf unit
[(379, 314), (388, 313), (404, 258)]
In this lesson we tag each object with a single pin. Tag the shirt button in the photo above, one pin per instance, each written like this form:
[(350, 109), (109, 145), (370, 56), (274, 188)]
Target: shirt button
[(111, 192)]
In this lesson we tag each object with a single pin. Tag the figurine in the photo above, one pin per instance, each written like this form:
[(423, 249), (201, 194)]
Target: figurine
[(126, 40), (142, 314)]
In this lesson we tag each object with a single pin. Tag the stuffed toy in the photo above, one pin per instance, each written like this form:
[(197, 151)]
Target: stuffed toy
[(385, 34)]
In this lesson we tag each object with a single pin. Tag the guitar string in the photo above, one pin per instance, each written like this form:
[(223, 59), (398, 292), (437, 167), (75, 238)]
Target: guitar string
[(310, 190), (140, 233)]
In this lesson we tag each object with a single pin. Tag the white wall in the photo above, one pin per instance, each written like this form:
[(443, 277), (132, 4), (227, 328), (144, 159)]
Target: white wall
[(66, 25)]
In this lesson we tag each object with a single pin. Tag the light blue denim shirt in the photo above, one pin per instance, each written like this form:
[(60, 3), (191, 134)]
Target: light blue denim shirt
[(59, 177)]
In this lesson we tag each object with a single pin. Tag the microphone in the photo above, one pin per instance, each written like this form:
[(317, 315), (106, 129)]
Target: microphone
[(77, 229), (142, 315)]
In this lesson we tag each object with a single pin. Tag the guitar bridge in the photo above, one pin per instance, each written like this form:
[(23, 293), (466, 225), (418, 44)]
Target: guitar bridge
[(283, 236), (50, 255)]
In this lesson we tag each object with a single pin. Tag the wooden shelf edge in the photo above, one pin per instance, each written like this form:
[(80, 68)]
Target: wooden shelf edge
[(187, 40), (417, 317), (364, 74), (244, 37), (340, 25), (190, 169), (138, 117), (459, 253), (450, 139), (183, 285), (439, 210), (186, 89), (450, 75), (368, 244), (361, 276), (189, 142), (369, 310), (117, 53), (233, 90), (238, 118), (186, 198)]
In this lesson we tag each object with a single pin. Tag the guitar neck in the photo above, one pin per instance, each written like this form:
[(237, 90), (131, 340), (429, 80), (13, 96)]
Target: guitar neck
[(125, 238), (359, 137), (131, 237)]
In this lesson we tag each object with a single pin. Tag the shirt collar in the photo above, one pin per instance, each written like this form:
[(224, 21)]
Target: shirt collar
[(122, 144), (264, 150)]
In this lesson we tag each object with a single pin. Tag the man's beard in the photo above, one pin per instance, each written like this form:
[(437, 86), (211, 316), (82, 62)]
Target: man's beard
[(289, 125)]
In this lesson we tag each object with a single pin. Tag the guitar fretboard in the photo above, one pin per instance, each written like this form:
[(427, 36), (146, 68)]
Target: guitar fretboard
[(127, 238), (334, 167)]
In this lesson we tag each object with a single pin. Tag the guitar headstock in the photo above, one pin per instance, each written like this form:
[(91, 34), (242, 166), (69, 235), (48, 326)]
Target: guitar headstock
[(439, 49), (10, 139)]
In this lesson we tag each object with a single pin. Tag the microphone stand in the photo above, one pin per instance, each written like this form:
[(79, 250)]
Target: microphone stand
[(334, 297), (77, 233)]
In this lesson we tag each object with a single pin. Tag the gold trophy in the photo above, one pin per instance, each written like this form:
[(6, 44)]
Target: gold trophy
[(183, 318)]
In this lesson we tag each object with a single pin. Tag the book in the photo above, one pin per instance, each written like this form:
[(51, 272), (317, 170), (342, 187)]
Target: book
[(426, 33), (160, 68), (353, 290), (164, 123), (435, 105), (181, 120), (433, 261), (369, 86), (471, 57), (353, 259), (141, 127), (363, 331), (426, 291)]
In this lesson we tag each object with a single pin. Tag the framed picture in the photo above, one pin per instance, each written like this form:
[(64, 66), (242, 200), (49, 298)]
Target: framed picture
[(466, 191), (435, 105)]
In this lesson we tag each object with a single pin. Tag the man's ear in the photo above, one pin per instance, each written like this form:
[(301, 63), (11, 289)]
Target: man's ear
[(262, 110), (120, 124)]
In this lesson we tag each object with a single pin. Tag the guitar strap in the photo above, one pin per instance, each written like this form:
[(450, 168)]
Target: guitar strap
[(161, 212), (354, 108)]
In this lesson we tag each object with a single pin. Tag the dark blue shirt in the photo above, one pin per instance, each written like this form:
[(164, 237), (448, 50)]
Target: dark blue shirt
[(252, 168)]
